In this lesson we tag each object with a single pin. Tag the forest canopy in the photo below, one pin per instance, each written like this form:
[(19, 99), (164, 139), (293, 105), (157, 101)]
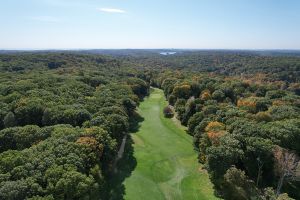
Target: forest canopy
[(64, 115)]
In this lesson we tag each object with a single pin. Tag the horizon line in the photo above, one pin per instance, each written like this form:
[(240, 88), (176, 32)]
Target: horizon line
[(89, 49)]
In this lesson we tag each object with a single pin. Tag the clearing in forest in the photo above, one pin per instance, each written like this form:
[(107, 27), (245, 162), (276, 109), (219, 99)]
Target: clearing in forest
[(167, 166)]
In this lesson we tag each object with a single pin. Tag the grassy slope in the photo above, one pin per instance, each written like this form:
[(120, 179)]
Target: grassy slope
[(167, 166)]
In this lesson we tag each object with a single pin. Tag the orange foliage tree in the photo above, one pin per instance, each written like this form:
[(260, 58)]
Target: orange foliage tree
[(205, 95), (215, 130), (248, 104)]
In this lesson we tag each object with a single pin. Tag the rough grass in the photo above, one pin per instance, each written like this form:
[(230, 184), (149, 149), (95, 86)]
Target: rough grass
[(167, 166)]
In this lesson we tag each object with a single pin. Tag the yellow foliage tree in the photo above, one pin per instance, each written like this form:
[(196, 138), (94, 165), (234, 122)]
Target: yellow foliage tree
[(278, 103), (214, 126), (182, 91)]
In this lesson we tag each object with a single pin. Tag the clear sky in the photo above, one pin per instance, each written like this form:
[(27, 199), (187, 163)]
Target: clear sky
[(196, 24)]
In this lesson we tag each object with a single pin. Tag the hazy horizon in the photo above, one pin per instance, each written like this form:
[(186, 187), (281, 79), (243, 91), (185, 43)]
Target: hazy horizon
[(133, 24), (182, 49)]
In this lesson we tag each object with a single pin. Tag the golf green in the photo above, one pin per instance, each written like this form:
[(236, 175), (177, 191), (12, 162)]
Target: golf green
[(167, 166)]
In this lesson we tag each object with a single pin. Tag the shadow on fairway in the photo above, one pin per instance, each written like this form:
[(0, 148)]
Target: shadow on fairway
[(135, 123), (125, 166)]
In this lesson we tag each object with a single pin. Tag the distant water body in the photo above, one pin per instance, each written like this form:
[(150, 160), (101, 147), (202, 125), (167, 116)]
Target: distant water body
[(167, 53)]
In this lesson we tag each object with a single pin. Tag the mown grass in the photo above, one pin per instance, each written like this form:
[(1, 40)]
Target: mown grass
[(167, 166)]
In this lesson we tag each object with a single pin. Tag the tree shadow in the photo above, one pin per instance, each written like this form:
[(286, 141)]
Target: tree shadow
[(115, 185), (135, 122), (115, 189)]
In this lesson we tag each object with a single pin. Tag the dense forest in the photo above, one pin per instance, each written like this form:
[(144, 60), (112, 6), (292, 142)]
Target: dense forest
[(64, 115), (63, 118)]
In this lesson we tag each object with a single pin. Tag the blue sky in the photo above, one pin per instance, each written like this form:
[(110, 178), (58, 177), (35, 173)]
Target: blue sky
[(196, 24)]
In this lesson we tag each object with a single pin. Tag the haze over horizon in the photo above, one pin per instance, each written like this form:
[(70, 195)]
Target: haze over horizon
[(134, 24)]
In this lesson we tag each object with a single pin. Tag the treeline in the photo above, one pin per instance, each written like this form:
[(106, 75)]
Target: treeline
[(247, 134), (62, 120)]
